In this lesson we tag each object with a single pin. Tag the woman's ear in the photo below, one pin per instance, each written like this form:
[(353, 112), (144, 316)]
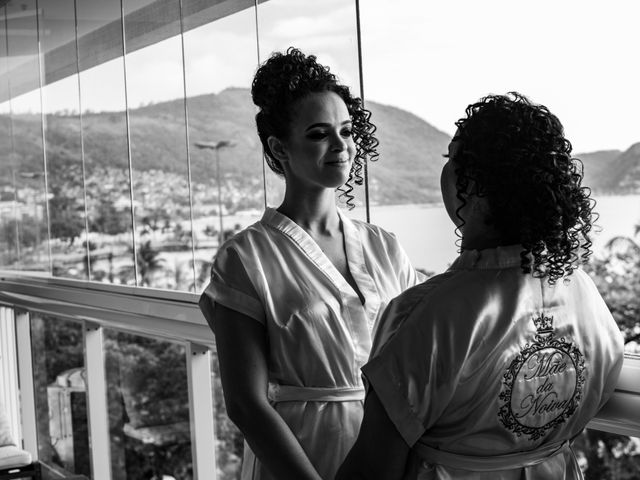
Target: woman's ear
[(278, 149)]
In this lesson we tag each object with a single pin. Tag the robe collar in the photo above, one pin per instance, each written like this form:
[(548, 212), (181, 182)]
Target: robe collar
[(489, 258), (354, 252)]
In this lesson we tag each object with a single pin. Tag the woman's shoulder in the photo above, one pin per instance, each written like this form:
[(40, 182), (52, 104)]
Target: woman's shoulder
[(434, 290), (372, 233), (249, 235)]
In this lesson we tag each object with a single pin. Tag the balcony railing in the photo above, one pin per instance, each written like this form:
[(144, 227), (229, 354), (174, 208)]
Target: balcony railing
[(101, 310)]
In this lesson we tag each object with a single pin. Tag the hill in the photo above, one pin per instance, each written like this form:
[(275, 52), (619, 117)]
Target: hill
[(408, 169)]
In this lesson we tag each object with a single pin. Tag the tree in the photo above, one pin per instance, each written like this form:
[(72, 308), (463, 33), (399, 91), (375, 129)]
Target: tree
[(148, 263), (109, 220), (66, 216), (617, 276), (27, 231)]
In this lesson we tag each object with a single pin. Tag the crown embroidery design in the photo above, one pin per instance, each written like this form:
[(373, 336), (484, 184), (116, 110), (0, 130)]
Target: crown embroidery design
[(542, 386)]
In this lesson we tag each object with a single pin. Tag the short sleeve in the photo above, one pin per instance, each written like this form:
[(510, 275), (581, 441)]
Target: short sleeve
[(413, 371), (231, 286), (407, 274)]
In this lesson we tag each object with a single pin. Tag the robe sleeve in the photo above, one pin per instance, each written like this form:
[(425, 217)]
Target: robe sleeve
[(232, 287), (407, 274), (414, 368)]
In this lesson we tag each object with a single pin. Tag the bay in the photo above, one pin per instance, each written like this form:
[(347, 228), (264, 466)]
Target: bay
[(427, 234)]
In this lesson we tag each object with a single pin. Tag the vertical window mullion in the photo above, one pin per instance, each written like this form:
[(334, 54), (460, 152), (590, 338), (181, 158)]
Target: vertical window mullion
[(43, 124), (361, 79), (188, 149), (128, 126), (82, 159), (264, 163)]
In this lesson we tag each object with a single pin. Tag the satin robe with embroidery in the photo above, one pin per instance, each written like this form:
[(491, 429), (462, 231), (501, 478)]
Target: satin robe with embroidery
[(319, 332), (489, 373)]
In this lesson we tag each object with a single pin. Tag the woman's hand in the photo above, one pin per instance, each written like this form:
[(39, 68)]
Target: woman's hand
[(242, 347)]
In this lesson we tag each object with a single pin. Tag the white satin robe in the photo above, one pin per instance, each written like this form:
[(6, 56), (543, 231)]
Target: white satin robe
[(489, 373), (319, 331)]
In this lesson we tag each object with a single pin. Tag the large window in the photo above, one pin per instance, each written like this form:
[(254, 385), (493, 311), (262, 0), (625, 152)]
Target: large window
[(425, 62)]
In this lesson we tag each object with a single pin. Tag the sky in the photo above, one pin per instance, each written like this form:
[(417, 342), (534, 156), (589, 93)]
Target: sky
[(432, 58)]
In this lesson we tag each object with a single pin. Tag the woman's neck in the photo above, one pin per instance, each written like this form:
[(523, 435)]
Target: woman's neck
[(313, 212)]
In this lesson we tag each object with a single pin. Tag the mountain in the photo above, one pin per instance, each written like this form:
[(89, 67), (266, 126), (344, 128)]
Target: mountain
[(624, 172), (407, 171), (596, 165)]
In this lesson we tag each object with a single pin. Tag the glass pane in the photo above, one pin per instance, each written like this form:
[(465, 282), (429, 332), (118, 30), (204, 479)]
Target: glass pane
[(60, 391), (106, 157), (155, 92), (63, 142), (328, 31), (65, 178), (24, 213), (225, 151), (229, 440), (424, 63), (607, 456), (419, 77), (148, 402)]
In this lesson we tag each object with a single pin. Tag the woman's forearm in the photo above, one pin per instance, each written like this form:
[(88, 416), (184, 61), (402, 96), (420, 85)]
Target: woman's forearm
[(273, 443)]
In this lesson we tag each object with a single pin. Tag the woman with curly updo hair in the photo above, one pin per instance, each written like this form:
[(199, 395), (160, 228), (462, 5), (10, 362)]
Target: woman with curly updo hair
[(491, 369), (294, 297)]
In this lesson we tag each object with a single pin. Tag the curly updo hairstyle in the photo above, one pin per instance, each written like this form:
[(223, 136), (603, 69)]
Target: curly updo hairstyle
[(286, 78), (514, 153)]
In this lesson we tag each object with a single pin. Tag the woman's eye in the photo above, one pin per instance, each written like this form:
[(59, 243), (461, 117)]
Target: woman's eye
[(346, 132), (316, 135)]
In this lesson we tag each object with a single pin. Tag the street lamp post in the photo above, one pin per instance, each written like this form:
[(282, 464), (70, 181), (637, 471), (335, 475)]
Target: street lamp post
[(216, 146)]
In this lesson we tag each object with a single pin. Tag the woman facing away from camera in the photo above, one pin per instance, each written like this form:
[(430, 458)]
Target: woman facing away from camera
[(294, 297), (491, 369)]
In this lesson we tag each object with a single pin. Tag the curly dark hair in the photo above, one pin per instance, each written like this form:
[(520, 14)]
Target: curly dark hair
[(514, 153), (286, 78)]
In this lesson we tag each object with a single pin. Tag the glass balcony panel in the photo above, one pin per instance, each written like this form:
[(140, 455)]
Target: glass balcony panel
[(604, 455), (324, 29), (148, 402), (59, 380), (24, 218), (225, 151), (424, 63), (417, 82), (63, 140), (106, 157), (155, 92), (65, 174)]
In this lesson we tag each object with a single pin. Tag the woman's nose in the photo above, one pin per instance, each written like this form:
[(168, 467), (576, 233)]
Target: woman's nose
[(338, 143)]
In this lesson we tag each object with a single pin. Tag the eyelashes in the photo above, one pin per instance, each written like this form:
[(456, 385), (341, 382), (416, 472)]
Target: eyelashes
[(347, 133)]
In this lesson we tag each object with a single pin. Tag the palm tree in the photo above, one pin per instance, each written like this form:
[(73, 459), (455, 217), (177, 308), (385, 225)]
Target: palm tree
[(148, 263)]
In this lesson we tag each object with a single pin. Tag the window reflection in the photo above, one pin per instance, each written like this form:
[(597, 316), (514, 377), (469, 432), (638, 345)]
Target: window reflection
[(61, 395), (155, 92), (226, 154), (148, 408), (607, 455), (325, 29), (24, 211), (106, 157), (65, 179)]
